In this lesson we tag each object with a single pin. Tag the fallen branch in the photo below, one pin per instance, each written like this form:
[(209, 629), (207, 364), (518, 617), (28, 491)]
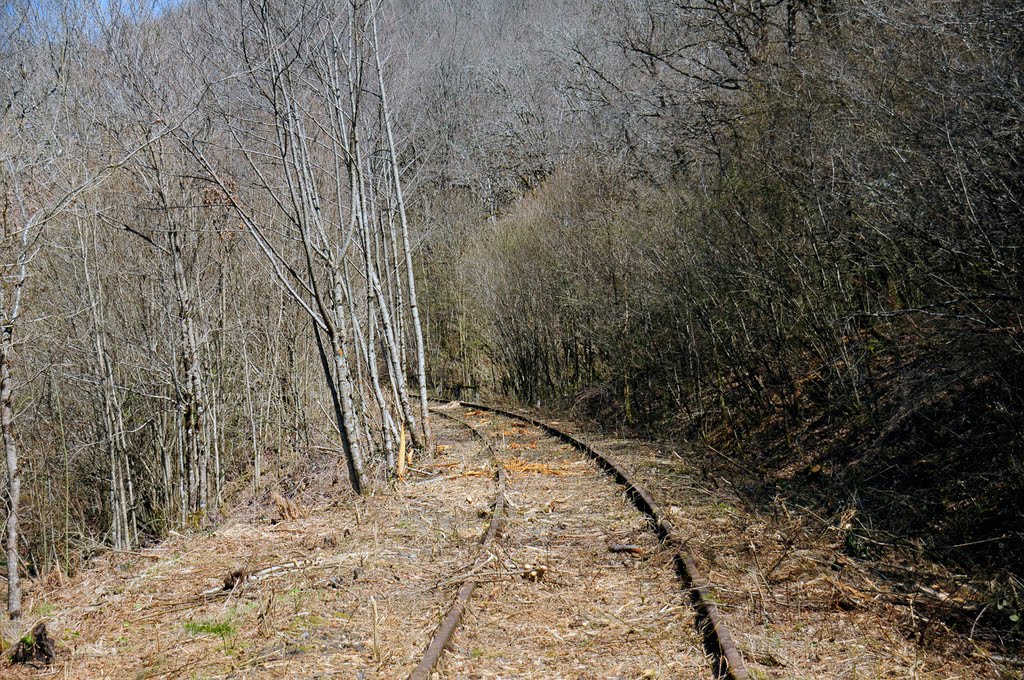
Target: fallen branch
[(626, 548)]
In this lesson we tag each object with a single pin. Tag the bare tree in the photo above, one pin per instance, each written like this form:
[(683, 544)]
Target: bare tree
[(395, 175), (303, 143), (44, 169)]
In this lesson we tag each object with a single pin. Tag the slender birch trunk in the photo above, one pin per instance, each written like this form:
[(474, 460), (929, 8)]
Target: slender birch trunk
[(373, 283), (194, 398), (421, 360)]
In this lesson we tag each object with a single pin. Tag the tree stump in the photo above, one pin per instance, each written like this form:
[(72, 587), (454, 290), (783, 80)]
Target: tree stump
[(34, 649)]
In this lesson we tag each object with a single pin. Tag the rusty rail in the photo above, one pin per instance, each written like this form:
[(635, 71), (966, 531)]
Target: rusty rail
[(443, 636), (727, 663)]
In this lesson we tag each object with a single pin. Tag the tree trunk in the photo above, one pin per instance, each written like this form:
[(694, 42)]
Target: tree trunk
[(349, 424), (194, 397), (13, 475)]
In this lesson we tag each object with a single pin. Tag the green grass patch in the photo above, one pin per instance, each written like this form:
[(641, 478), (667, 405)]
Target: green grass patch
[(223, 629)]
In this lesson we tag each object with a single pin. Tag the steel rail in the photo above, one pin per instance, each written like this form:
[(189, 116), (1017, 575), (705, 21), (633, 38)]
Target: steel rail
[(443, 636)]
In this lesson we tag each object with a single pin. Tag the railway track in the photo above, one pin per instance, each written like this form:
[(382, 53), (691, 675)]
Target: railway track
[(442, 638), (726, 662)]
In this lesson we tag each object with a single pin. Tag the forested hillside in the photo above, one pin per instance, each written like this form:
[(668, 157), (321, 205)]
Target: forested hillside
[(207, 268), (790, 230), (240, 243)]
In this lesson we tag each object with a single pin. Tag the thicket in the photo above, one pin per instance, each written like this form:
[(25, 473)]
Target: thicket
[(791, 230)]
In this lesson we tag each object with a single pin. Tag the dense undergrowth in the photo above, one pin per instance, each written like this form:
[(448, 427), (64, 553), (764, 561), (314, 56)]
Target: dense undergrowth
[(820, 280)]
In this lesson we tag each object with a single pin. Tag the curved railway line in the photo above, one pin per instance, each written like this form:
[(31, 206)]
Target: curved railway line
[(726, 661)]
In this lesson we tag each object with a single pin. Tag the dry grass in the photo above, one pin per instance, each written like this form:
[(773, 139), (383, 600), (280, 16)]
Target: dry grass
[(302, 603)]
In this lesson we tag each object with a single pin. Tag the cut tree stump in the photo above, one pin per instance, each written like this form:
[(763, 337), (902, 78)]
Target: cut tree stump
[(34, 649)]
